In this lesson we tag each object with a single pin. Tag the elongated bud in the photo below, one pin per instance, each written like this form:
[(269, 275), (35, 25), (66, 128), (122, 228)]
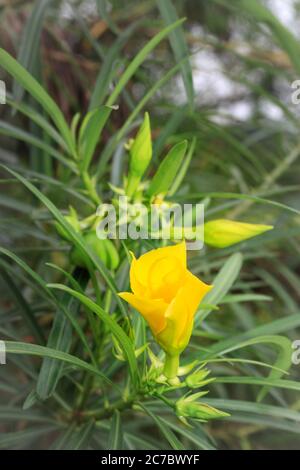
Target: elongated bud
[(222, 233), (72, 218), (140, 156), (104, 249), (198, 379), (188, 408)]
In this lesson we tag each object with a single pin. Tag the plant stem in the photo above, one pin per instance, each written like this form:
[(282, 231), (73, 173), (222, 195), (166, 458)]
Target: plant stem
[(90, 188), (119, 405), (171, 366)]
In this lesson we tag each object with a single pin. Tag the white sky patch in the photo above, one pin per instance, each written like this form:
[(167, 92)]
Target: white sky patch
[(85, 9), (286, 13), (210, 82), (270, 110), (240, 111)]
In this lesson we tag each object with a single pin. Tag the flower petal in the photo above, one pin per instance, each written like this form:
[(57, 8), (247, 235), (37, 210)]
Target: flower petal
[(194, 290), (166, 276), (153, 311), (141, 267), (181, 311), (136, 286)]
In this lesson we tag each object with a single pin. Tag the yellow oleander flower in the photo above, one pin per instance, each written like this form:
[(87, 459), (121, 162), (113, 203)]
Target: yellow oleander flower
[(167, 295)]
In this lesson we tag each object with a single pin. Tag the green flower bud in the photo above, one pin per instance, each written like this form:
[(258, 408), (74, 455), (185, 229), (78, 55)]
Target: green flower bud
[(188, 408), (72, 218), (222, 233), (198, 379), (104, 249), (140, 155)]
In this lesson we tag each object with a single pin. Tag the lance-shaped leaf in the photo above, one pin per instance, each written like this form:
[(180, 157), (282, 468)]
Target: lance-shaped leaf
[(90, 133), (30, 44), (60, 339), (33, 87), (168, 170), (179, 46)]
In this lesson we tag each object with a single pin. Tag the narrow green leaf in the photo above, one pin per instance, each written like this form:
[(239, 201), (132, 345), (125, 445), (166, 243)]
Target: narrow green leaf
[(191, 435), (222, 284), (115, 438), (37, 91), (179, 46), (167, 170), (20, 439), (13, 413), (118, 332), (165, 430), (25, 309), (139, 59), (24, 136), (259, 408), (90, 133), (13, 347), (246, 197), (183, 170), (109, 67), (229, 299), (259, 13), (103, 6), (60, 338), (30, 42), (284, 384), (38, 119), (282, 362), (30, 272), (79, 439)]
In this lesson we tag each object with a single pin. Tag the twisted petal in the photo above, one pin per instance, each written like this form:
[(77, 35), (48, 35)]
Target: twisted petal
[(181, 311), (159, 273), (152, 310)]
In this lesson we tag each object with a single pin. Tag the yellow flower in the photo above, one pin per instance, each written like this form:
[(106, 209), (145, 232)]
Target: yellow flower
[(167, 295)]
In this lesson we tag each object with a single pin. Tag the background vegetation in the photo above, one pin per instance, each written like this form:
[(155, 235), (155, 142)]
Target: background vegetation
[(232, 98)]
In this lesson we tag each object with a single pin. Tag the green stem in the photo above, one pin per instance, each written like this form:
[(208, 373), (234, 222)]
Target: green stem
[(171, 366), (132, 185), (107, 412), (90, 188)]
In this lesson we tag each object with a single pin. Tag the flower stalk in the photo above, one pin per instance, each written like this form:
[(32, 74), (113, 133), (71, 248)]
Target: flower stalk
[(171, 366)]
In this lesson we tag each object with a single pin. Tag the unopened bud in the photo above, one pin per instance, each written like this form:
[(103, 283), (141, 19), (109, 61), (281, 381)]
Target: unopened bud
[(140, 155), (222, 233)]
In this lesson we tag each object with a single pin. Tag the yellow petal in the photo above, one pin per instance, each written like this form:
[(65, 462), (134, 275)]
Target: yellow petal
[(153, 311), (140, 268), (165, 278), (193, 291), (136, 286), (180, 314)]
